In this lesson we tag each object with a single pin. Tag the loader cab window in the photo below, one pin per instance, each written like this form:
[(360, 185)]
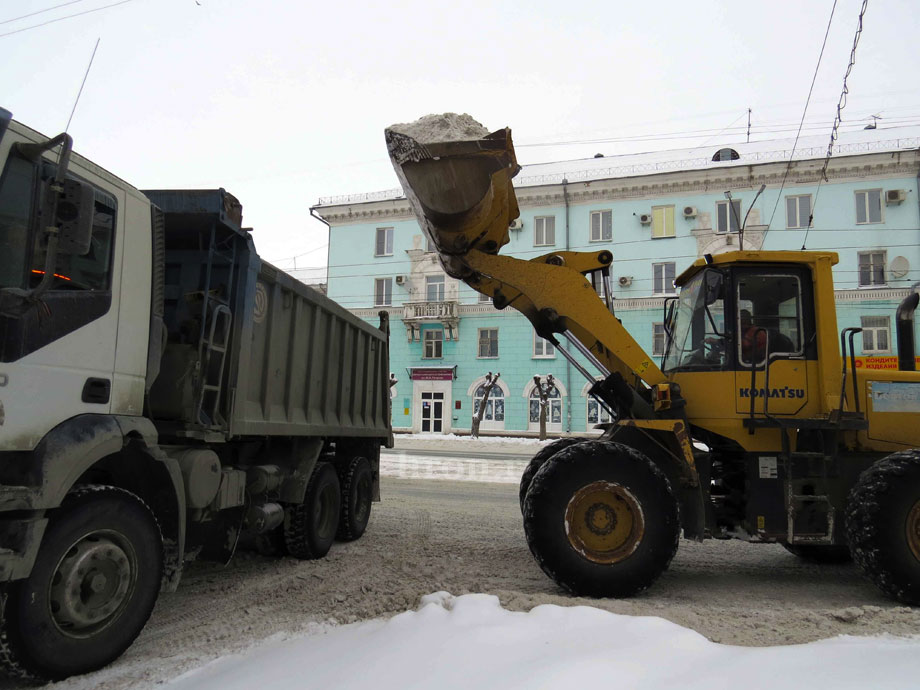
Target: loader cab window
[(17, 187), (696, 334), (769, 317)]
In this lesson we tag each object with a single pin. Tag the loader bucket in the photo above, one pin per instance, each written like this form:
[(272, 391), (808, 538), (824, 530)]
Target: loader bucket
[(461, 191)]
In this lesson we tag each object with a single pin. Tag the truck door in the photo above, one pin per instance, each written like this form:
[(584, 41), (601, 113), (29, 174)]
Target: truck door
[(773, 334)]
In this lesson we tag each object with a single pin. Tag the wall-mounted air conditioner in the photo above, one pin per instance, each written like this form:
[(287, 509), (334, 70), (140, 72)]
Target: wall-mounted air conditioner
[(516, 224), (625, 281), (402, 280), (645, 218), (895, 196), (689, 211)]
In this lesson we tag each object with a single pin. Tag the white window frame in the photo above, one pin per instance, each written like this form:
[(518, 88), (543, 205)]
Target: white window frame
[(387, 242), (480, 342), (554, 404), (731, 216), (600, 226), (542, 349), (544, 231), (499, 392), (866, 208), (438, 282), (661, 287), (658, 339), (484, 298), (662, 212), (387, 293), (871, 264), (882, 325), (437, 344), (603, 416), (798, 223)]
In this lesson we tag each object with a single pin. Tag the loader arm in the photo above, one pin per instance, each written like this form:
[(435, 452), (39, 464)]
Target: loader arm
[(462, 195)]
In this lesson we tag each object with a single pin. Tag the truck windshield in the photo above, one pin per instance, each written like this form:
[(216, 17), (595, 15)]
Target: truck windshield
[(16, 188), (697, 327)]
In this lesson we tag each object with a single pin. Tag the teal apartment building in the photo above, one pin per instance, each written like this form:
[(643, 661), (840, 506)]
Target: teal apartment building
[(657, 212)]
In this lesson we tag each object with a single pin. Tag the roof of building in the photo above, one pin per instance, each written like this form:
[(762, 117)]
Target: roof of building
[(700, 157)]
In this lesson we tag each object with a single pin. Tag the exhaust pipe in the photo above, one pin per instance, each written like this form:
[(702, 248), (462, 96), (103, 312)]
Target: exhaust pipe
[(905, 329)]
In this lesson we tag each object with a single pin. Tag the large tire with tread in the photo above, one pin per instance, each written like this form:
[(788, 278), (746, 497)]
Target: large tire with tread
[(820, 553), (601, 519), (310, 527), (357, 480), (91, 590), (537, 461), (883, 525)]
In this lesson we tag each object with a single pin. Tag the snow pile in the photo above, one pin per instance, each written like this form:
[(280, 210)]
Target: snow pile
[(472, 642), (471, 440), (430, 129), (489, 470)]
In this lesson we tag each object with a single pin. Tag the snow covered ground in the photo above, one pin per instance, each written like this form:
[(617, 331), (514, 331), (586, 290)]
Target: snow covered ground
[(472, 642)]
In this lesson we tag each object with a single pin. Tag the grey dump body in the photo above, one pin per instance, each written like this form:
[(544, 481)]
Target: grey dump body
[(249, 350)]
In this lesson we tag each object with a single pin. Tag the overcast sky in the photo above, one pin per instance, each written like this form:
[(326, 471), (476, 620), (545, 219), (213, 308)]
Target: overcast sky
[(284, 102)]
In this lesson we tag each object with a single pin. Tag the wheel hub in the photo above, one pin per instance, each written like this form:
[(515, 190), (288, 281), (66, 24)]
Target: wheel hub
[(604, 522), (91, 584), (913, 530)]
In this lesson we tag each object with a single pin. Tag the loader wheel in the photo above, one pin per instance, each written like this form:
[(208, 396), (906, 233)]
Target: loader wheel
[(357, 495), (310, 527), (883, 525), (91, 589), (819, 553), (601, 519), (536, 462)]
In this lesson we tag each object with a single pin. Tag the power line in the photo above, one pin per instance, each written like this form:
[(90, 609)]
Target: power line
[(32, 14), (804, 111), (69, 16), (841, 104)]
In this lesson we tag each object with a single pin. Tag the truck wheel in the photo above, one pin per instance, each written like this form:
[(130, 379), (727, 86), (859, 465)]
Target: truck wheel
[(357, 495), (310, 527), (820, 553), (883, 525), (601, 519), (91, 589), (536, 462)]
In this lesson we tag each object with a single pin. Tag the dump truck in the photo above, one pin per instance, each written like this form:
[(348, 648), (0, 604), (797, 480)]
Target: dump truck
[(756, 424), (165, 395)]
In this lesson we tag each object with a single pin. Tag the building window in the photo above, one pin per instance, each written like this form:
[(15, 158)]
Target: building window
[(798, 211), (869, 207), (663, 278), (601, 226), (544, 231), (597, 413), (872, 268), (429, 245), (484, 299), (433, 343), (383, 292), (553, 410), (384, 244), (662, 221), (434, 288), (876, 334), (542, 349), (495, 405), (488, 342), (727, 218), (657, 339)]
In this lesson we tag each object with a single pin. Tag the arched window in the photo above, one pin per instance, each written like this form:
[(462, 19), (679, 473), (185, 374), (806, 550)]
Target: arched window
[(596, 413), (727, 154), (553, 410), (494, 415)]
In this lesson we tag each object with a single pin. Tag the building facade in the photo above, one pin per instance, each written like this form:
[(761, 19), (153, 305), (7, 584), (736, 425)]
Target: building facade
[(657, 212)]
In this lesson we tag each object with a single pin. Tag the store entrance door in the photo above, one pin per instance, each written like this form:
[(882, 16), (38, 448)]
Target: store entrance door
[(432, 413)]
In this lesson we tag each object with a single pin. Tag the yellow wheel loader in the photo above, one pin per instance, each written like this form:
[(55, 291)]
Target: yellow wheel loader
[(756, 424)]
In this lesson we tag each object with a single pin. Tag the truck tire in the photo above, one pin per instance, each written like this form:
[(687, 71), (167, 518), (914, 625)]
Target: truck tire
[(820, 553), (91, 589), (310, 527), (536, 462), (883, 525), (601, 519), (357, 482)]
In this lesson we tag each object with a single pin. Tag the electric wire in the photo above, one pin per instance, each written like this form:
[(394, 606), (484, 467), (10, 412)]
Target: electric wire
[(32, 14), (804, 112), (69, 16)]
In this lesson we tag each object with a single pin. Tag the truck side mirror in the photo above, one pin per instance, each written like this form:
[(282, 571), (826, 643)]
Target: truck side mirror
[(73, 215)]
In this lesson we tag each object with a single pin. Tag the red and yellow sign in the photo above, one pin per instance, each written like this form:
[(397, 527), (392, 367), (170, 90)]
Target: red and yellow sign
[(879, 363)]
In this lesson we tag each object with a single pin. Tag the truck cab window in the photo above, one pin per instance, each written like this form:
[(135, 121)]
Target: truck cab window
[(16, 189), (769, 317)]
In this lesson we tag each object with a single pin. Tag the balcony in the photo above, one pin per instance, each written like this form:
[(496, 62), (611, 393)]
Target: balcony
[(417, 313)]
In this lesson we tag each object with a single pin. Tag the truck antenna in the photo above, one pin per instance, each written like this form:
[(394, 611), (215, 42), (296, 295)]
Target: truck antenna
[(82, 84)]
